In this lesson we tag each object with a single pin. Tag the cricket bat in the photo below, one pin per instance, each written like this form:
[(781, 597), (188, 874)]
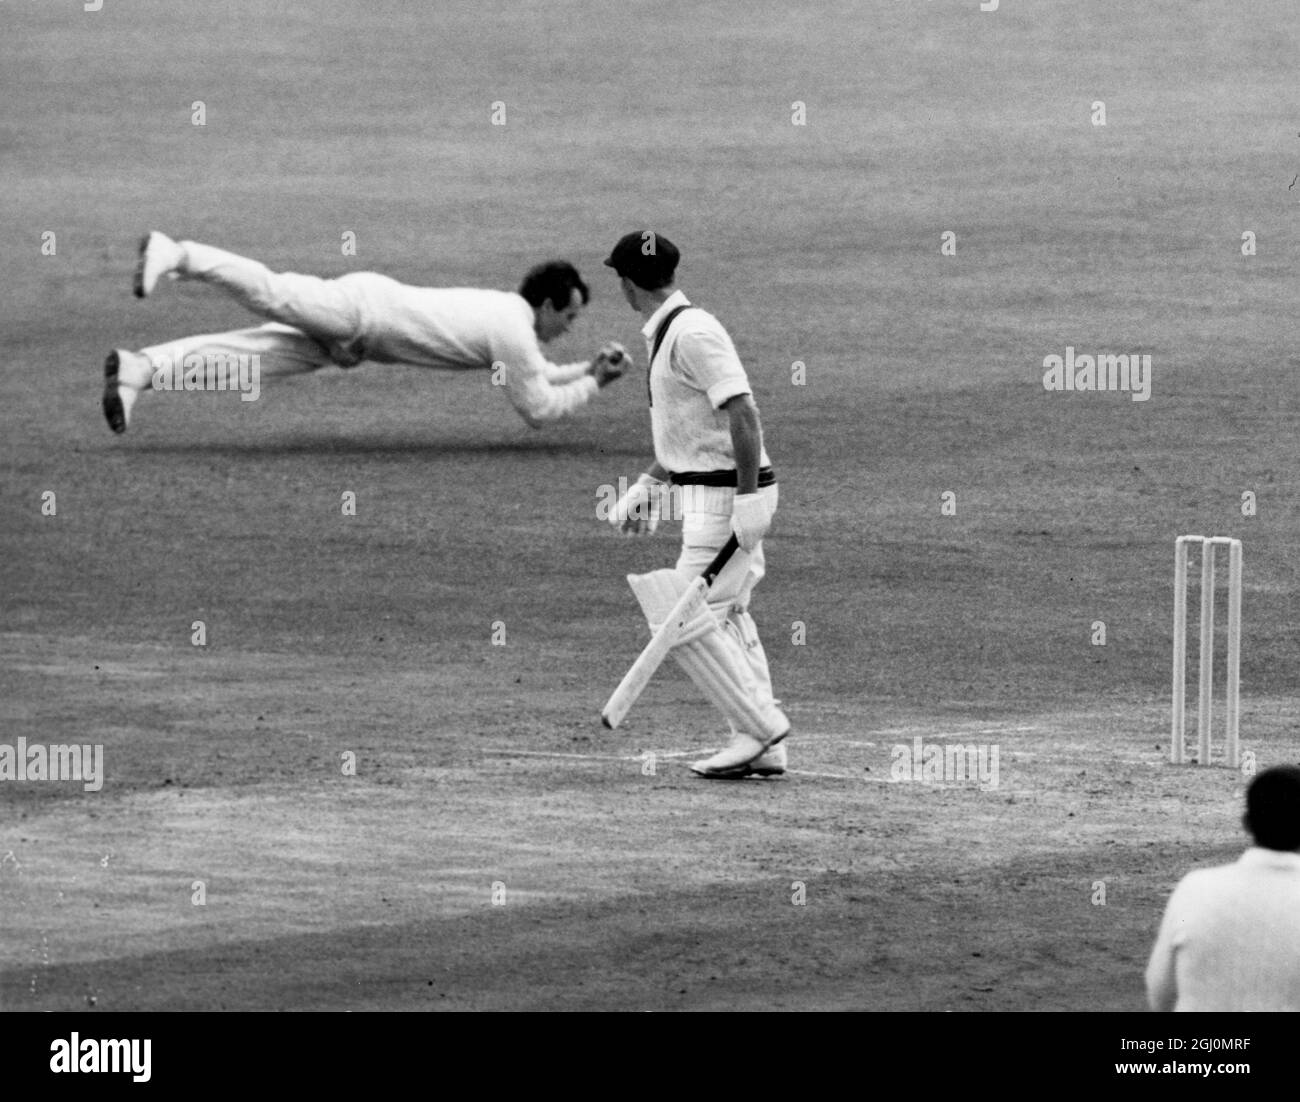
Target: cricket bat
[(684, 611)]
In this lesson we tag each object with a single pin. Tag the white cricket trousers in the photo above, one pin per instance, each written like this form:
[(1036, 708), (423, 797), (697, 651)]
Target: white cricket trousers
[(706, 526), (315, 321)]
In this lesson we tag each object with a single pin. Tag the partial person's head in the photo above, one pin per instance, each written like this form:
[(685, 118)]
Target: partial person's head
[(646, 263), (557, 295), (1273, 808)]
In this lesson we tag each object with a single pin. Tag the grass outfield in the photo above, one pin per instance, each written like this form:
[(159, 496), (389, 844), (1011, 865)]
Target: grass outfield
[(372, 635)]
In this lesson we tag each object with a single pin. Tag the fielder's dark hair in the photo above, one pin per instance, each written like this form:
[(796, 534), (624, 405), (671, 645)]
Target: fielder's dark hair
[(553, 282), (1273, 808)]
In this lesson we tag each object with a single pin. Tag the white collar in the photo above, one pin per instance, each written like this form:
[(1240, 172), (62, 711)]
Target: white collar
[(1260, 857), (676, 299)]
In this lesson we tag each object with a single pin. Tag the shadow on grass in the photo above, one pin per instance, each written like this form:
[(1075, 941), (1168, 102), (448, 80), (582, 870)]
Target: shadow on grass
[(372, 445), (664, 950)]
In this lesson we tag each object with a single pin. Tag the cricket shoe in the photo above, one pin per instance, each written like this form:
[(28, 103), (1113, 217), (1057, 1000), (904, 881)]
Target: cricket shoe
[(159, 256), (770, 763), (739, 759), (118, 396)]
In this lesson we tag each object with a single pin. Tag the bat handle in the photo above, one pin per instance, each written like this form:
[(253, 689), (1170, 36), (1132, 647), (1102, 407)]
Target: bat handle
[(721, 559)]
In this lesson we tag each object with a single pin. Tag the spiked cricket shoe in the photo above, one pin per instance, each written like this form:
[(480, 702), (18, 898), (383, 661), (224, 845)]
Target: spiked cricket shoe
[(118, 397), (159, 256), (770, 763), (733, 760)]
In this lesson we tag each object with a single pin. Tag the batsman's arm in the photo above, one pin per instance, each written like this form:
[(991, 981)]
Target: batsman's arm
[(746, 441), (751, 513)]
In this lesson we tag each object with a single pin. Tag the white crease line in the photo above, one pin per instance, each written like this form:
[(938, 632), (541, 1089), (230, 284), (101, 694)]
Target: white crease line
[(832, 776), (641, 758), (593, 757), (953, 729), (667, 754), (869, 778), (929, 734), (555, 754)]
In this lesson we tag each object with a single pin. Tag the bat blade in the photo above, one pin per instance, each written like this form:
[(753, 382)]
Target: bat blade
[(651, 658), (683, 612)]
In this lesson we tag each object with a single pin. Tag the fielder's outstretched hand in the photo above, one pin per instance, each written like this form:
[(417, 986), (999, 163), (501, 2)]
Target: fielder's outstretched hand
[(609, 363)]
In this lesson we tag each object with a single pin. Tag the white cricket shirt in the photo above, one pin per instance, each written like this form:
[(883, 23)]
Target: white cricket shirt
[(696, 371), (469, 327)]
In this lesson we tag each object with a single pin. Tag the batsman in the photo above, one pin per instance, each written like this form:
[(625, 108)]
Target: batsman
[(708, 441)]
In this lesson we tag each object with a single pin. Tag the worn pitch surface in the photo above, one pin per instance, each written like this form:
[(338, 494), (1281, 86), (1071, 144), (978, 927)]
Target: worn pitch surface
[(628, 883)]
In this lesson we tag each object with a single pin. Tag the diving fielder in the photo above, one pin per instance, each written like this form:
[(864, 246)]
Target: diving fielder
[(368, 316), (708, 441)]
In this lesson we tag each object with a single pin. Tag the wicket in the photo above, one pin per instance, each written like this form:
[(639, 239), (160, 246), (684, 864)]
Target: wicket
[(1231, 744)]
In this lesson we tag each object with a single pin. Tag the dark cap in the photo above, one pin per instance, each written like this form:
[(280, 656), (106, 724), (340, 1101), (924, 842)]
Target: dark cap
[(647, 259)]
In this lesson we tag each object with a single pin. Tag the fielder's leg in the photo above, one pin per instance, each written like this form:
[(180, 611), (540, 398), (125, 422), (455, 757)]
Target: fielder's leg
[(327, 309), (281, 350)]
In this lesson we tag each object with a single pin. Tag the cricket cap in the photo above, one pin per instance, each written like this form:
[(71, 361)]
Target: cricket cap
[(648, 259)]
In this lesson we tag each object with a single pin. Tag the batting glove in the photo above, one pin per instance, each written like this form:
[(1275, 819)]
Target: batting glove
[(637, 511), (751, 517)]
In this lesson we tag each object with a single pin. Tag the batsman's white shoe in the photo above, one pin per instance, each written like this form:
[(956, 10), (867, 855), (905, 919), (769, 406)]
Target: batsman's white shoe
[(159, 256), (770, 763), (735, 760), (118, 396)]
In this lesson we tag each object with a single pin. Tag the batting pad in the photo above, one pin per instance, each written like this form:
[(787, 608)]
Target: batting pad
[(717, 665), (740, 625), (658, 593), (715, 660)]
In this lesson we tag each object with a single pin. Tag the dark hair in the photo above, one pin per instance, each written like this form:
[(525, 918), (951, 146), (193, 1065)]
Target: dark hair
[(1273, 808), (553, 282)]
